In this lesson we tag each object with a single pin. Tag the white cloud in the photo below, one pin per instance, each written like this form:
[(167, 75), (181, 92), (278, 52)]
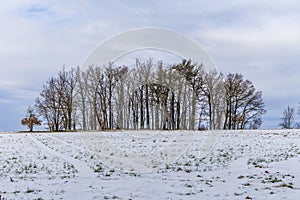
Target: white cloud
[(264, 39)]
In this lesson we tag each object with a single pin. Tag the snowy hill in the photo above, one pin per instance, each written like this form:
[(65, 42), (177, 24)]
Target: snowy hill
[(261, 164)]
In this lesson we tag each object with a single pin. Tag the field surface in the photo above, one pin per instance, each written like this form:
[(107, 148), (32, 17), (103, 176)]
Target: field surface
[(262, 164)]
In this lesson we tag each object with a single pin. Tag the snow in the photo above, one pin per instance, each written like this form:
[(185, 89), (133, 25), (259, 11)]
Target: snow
[(261, 164)]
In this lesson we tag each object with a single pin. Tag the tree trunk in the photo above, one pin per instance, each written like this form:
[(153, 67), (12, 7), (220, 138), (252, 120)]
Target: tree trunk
[(142, 107), (147, 108)]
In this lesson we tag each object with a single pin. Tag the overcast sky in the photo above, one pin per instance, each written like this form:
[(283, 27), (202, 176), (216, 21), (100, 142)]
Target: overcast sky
[(258, 38)]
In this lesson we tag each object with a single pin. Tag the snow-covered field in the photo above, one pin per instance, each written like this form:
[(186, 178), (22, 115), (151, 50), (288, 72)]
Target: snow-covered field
[(262, 164)]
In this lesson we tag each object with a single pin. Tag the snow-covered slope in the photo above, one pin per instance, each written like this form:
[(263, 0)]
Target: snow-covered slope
[(262, 164)]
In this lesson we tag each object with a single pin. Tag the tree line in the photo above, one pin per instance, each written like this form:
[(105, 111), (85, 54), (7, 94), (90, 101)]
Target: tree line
[(149, 95)]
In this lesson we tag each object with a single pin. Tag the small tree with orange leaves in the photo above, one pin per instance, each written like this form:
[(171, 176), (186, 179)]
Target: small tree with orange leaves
[(31, 120)]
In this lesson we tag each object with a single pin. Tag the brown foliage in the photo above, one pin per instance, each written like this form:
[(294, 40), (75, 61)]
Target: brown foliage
[(30, 122)]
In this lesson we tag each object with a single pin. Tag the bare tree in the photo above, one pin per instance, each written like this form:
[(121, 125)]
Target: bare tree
[(193, 74), (213, 93), (56, 101), (49, 105), (67, 82), (244, 105), (82, 98), (288, 118)]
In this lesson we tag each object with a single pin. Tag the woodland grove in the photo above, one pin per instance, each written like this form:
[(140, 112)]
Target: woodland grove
[(149, 95)]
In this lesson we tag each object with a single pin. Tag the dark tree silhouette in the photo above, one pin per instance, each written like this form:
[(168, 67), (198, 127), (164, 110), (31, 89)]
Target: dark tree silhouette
[(244, 104), (288, 118)]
